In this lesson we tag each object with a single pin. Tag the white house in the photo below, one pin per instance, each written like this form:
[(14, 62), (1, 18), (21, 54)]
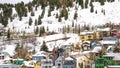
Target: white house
[(59, 61), (46, 63)]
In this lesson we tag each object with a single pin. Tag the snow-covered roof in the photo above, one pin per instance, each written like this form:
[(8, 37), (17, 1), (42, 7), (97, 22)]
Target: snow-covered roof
[(113, 66), (29, 63), (109, 47), (97, 49), (87, 42), (74, 53), (110, 38), (68, 58), (103, 29), (10, 49), (59, 41), (60, 58), (54, 37), (108, 42), (79, 58), (8, 58), (74, 38), (116, 56), (41, 53), (86, 32), (85, 52)]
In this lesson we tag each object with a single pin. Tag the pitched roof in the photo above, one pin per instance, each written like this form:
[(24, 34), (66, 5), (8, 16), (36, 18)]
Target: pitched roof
[(86, 32), (115, 55), (69, 58), (97, 49), (103, 29)]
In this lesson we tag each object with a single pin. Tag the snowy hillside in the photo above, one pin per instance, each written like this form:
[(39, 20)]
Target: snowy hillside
[(111, 14), (107, 13)]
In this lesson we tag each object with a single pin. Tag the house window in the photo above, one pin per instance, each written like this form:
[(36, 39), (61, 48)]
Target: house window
[(85, 47), (65, 67), (97, 54), (50, 67), (110, 58), (81, 65), (59, 60), (46, 67), (82, 37), (59, 65), (89, 36), (104, 33)]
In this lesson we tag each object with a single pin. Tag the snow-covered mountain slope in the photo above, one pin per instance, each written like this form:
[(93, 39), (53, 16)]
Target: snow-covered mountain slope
[(112, 15), (14, 1)]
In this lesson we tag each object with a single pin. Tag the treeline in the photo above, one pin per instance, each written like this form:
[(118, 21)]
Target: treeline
[(6, 13), (22, 9)]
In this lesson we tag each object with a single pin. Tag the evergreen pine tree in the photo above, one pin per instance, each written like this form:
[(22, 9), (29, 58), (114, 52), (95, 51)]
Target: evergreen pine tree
[(68, 29), (63, 30), (36, 23), (30, 21), (35, 8), (43, 12), (96, 11), (57, 15), (59, 19), (30, 8), (49, 13), (32, 13), (39, 20), (1, 18), (47, 28), (76, 28), (8, 34), (72, 23), (104, 12), (86, 3), (5, 21), (81, 3), (92, 8), (44, 47), (37, 30), (11, 19), (25, 12), (42, 31), (40, 34), (64, 13), (79, 29), (75, 15), (17, 47), (102, 2)]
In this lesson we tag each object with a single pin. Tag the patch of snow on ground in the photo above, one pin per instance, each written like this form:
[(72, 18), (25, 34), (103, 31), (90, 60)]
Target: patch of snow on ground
[(9, 49)]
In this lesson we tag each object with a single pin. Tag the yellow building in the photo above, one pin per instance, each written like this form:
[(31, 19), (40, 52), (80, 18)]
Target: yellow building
[(87, 35), (102, 32), (37, 65), (83, 62)]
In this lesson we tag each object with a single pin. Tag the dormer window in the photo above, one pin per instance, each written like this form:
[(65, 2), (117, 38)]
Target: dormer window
[(89, 36)]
